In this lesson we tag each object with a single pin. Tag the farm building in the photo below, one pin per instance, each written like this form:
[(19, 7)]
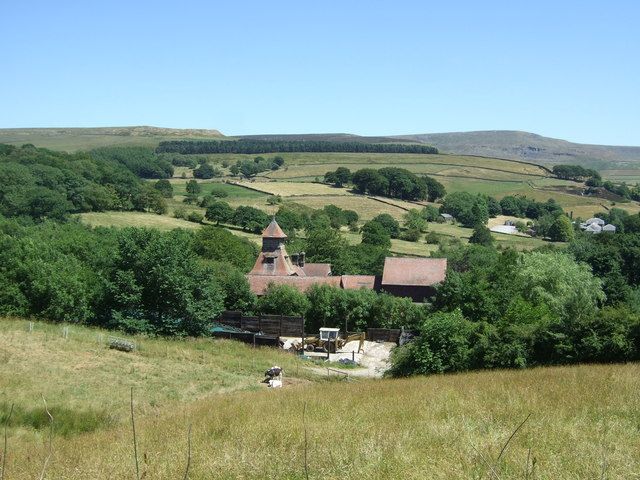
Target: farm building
[(406, 277), (413, 277), (597, 225)]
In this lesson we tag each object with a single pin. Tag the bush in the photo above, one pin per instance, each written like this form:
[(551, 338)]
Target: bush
[(195, 217), (180, 212), (432, 238), (444, 345), (411, 235)]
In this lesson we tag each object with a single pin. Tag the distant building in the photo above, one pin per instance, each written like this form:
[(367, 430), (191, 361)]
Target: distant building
[(597, 225), (593, 228), (405, 277), (596, 220), (447, 217)]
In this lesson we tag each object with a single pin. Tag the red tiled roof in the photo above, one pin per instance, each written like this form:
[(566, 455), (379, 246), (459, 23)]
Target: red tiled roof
[(355, 282), (414, 271), (317, 269), (259, 283), (278, 266), (273, 230)]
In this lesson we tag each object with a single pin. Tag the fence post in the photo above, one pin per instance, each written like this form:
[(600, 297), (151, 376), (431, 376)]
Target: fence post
[(353, 356), (302, 350)]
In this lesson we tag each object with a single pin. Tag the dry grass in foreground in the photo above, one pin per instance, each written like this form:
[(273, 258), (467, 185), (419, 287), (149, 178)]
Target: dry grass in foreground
[(583, 423)]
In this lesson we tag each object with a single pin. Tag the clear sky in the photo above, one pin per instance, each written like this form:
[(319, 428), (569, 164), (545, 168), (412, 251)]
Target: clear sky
[(566, 69)]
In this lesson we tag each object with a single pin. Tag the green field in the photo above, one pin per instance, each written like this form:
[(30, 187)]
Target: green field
[(581, 422), (489, 176)]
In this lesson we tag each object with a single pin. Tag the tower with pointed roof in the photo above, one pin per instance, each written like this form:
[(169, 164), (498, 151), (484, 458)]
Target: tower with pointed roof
[(274, 259), (273, 237)]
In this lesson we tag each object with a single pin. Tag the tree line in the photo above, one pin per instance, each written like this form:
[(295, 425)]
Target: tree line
[(189, 147), (503, 309), (390, 182)]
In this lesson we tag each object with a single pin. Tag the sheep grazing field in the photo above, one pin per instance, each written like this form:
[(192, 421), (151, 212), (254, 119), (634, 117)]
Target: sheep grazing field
[(553, 423)]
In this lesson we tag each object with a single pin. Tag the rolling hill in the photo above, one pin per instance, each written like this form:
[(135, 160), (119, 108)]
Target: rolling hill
[(72, 139), (530, 147)]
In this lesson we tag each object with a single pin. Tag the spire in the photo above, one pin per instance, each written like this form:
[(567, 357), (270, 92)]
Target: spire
[(273, 230)]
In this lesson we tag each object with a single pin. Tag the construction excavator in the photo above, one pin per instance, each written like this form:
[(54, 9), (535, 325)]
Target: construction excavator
[(329, 340)]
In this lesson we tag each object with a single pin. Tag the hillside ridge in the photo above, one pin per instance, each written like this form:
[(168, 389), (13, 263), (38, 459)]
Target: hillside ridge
[(519, 145)]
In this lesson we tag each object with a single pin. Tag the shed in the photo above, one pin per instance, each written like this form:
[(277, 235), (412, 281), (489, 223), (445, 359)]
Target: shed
[(413, 277), (609, 228), (447, 217)]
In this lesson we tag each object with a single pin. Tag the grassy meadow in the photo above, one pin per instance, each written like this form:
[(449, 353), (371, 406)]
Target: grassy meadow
[(582, 421)]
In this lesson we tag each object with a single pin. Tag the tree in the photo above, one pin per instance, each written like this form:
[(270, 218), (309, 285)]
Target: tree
[(481, 235), (151, 200), (206, 171), (468, 209), (435, 190), (413, 220), (237, 292), (164, 187), (430, 213), (193, 190), (403, 184), (219, 212), (289, 220), (250, 219), (351, 217), (193, 187), (283, 300), (494, 207), (389, 223), (338, 178), (375, 234), (443, 346), (561, 230), (324, 245), (220, 245), (158, 285), (568, 288), (479, 212), (368, 180)]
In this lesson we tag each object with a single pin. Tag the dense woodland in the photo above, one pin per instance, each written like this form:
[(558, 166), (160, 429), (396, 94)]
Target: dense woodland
[(44, 184), (282, 146), (497, 307)]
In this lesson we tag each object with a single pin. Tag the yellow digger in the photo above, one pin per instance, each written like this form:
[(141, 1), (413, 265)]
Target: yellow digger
[(329, 340)]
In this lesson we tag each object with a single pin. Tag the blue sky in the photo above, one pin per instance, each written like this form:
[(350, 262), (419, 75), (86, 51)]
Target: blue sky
[(566, 69)]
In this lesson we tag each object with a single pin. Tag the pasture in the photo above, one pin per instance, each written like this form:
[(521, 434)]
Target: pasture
[(489, 176), (558, 422)]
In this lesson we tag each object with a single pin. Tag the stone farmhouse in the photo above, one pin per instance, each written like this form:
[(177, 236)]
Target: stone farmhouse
[(404, 277)]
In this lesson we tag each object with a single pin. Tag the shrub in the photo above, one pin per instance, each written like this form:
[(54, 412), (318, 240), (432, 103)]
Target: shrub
[(195, 217)]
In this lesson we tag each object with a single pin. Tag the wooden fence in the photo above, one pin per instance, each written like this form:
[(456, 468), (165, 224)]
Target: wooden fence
[(384, 335), (279, 325)]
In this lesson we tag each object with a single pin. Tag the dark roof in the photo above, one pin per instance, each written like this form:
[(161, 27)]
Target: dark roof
[(414, 271), (317, 269), (273, 230)]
